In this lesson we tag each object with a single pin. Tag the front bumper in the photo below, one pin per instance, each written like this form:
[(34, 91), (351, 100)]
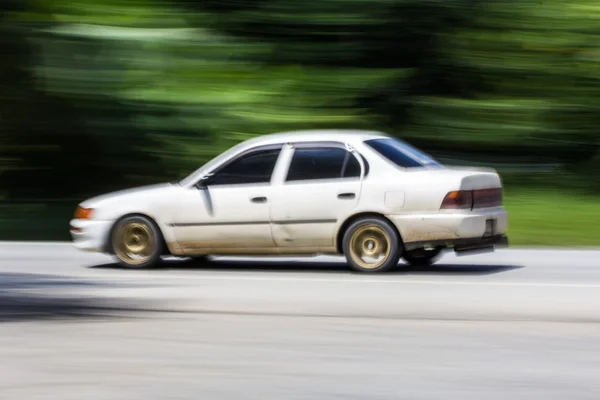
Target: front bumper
[(90, 235)]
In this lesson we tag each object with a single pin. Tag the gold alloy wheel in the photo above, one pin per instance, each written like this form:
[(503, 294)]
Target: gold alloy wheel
[(134, 243), (370, 246)]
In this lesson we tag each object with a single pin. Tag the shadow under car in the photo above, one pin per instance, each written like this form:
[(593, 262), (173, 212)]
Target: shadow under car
[(314, 266)]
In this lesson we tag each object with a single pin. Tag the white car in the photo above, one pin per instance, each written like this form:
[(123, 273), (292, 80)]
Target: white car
[(366, 195)]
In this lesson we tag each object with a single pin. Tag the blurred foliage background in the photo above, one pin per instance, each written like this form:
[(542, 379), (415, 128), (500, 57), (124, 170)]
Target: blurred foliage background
[(99, 95)]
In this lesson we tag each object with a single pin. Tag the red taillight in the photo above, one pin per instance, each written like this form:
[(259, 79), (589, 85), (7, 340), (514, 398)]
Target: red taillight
[(470, 199), (487, 198), (458, 200)]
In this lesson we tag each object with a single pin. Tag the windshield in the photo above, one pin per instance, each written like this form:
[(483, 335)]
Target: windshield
[(401, 153)]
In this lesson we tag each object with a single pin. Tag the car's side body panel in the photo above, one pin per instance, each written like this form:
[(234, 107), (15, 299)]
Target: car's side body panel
[(223, 216), (156, 202), (305, 213), (301, 217)]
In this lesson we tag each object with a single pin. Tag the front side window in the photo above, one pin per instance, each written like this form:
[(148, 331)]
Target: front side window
[(401, 153), (255, 167), (322, 163)]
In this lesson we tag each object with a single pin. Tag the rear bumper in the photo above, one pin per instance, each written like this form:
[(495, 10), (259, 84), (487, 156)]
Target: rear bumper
[(466, 245), (417, 230)]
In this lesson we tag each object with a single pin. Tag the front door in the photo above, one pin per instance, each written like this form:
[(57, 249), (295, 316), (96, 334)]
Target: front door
[(230, 209), (322, 186)]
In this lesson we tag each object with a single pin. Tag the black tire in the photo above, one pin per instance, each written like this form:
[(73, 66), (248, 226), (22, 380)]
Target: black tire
[(122, 242), (422, 257), (376, 230)]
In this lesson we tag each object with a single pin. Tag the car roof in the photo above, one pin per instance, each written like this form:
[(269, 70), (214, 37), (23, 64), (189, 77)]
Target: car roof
[(351, 136), (322, 135)]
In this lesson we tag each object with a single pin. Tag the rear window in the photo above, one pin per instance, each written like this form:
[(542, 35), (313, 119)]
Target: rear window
[(401, 153)]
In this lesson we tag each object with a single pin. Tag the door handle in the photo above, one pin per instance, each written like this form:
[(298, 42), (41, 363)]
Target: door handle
[(258, 199), (346, 196)]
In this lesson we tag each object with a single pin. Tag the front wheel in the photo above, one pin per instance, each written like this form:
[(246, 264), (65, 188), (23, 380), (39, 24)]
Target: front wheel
[(422, 257), (371, 244), (137, 242)]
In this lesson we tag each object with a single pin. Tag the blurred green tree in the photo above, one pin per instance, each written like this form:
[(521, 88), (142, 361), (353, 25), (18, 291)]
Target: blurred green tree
[(102, 95), (529, 73)]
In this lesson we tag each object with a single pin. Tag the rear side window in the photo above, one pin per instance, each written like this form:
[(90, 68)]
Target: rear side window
[(401, 153), (322, 163)]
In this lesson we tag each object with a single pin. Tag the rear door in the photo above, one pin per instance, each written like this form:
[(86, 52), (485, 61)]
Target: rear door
[(321, 186)]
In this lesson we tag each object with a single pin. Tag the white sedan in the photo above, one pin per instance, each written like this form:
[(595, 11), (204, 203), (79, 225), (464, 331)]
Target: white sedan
[(366, 195)]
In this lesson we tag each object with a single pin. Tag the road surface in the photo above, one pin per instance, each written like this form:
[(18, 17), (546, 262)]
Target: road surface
[(513, 324)]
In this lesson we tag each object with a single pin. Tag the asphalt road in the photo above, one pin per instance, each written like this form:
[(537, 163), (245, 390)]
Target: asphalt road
[(513, 324)]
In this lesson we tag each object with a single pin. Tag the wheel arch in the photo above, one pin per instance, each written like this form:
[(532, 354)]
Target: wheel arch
[(342, 230), (108, 240)]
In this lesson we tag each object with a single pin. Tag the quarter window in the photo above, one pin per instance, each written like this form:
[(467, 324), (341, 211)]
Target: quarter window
[(256, 167), (322, 163)]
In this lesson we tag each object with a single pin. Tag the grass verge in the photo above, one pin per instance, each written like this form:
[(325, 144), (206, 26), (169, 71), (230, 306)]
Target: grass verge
[(552, 218)]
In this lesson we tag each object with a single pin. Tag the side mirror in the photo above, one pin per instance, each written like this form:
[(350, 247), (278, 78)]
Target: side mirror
[(203, 182)]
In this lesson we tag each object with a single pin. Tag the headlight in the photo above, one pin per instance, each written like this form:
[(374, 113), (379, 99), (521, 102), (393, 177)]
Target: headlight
[(83, 213)]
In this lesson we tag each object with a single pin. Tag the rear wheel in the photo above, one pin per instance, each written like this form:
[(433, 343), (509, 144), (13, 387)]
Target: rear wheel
[(422, 257), (371, 244), (137, 242)]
